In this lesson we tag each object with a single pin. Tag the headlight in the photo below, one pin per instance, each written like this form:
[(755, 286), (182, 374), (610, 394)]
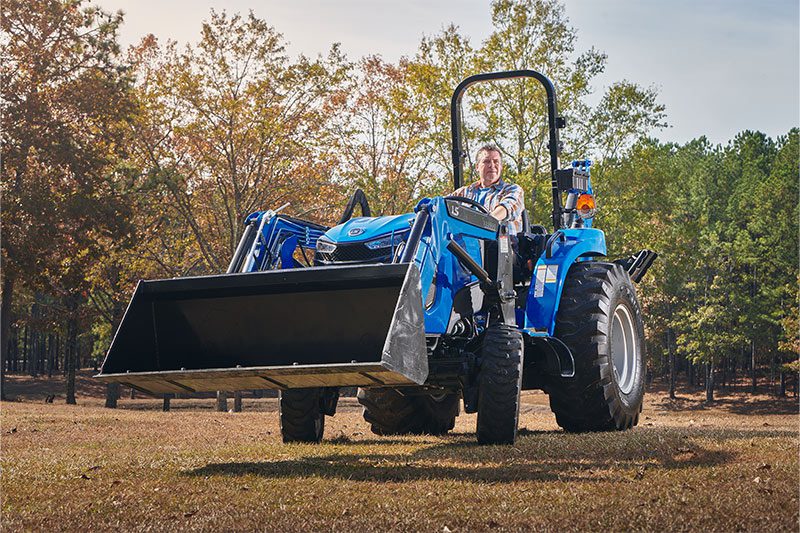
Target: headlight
[(325, 247), (386, 242)]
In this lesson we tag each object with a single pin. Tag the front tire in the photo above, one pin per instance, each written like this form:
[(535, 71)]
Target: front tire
[(600, 321), (302, 417), (499, 385)]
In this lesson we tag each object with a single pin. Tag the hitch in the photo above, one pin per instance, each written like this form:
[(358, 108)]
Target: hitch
[(638, 264)]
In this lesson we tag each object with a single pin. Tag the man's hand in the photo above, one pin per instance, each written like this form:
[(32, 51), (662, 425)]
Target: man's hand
[(500, 213)]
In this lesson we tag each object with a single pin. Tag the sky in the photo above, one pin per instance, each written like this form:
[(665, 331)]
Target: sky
[(721, 66)]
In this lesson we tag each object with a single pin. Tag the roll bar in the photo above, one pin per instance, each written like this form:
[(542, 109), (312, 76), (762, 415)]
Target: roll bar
[(554, 122)]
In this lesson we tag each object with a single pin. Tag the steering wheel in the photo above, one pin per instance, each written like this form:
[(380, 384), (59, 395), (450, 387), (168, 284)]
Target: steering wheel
[(470, 202)]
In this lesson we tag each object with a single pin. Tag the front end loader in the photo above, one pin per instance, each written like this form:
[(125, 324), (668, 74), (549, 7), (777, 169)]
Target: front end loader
[(420, 311)]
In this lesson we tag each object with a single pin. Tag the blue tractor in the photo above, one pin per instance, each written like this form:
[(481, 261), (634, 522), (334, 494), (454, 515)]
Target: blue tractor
[(419, 311)]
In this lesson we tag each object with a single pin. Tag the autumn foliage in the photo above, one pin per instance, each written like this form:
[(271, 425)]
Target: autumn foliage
[(119, 165)]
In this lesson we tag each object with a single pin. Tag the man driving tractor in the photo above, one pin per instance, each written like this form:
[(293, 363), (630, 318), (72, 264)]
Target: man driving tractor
[(505, 201)]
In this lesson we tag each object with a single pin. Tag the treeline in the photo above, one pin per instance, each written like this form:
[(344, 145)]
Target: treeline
[(119, 165), (723, 296)]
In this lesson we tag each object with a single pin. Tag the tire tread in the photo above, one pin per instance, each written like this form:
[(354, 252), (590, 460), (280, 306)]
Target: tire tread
[(589, 402), (500, 383), (301, 415)]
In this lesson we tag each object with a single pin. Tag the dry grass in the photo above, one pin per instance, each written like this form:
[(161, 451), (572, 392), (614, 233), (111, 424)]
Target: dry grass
[(686, 467)]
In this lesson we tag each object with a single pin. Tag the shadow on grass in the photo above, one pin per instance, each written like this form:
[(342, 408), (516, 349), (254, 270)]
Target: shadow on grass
[(777, 406), (759, 405), (537, 456)]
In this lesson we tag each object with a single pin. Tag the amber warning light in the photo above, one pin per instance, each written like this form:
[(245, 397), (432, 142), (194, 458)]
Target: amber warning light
[(585, 206)]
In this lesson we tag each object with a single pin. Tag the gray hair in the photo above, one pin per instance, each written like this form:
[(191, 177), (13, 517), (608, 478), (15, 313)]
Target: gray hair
[(488, 147)]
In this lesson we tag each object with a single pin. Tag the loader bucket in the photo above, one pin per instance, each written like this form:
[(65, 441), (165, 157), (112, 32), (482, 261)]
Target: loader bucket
[(280, 329)]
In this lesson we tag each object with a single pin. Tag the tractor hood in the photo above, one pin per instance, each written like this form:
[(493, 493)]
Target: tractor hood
[(367, 228)]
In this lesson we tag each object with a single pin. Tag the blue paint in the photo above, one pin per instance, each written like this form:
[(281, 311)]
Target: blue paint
[(583, 243), (440, 270), (279, 237)]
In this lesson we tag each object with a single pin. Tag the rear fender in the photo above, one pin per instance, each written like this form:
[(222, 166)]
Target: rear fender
[(550, 274)]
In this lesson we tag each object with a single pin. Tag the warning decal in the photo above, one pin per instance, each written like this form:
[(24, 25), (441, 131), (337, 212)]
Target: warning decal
[(503, 244), (552, 274), (541, 271)]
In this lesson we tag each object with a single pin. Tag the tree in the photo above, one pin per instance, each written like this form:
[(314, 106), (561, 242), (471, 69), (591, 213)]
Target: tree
[(64, 102), (773, 218), (718, 216), (231, 126), (530, 34), (639, 208), (380, 134)]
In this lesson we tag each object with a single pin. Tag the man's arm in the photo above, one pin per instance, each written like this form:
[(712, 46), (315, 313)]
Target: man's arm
[(511, 205), (500, 213)]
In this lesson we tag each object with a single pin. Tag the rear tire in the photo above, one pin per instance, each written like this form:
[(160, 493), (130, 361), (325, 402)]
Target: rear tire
[(600, 320), (302, 419), (499, 385), (390, 412)]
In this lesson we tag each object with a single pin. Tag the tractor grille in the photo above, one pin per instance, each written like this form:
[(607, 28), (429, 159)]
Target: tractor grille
[(354, 253)]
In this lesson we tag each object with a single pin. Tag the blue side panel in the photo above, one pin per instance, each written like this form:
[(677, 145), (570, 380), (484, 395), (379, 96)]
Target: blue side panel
[(441, 274), (437, 263), (550, 274)]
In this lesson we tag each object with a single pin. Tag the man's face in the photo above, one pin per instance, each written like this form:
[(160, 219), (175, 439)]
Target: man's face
[(489, 167)]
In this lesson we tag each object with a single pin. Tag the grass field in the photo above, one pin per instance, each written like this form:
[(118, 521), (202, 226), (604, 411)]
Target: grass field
[(730, 467)]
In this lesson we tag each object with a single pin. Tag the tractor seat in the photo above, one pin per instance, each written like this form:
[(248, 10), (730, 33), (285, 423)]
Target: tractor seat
[(530, 245)]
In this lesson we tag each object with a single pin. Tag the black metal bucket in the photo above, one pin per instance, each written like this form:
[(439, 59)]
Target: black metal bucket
[(295, 328)]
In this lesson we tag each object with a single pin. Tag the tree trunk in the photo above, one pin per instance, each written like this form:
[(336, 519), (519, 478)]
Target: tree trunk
[(237, 401), (112, 395), (71, 357), (36, 339), (752, 366), (38, 362), (30, 363), (15, 359), (58, 351), (709, 382), (222, 401), (773, 365), (724, 377), (671, 364), (24, 349), (51, 354), (782, 388), (5, 329)]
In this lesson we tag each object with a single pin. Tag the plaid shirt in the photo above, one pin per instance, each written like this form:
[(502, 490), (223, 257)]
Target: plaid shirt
[(509, 195)]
